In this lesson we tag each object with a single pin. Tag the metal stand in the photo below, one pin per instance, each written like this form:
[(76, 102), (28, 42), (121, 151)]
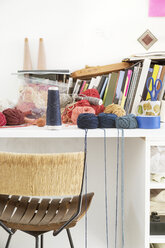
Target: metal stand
[(9, 238), (42, 241), (70, 238), (37, 242)]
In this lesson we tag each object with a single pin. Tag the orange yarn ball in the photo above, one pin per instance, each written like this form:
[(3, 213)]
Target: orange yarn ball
[(80, 110)]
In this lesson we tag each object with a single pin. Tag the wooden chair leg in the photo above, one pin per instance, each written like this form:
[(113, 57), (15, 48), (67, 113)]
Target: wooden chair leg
[(37, 242), (70, 238), (42, 241)]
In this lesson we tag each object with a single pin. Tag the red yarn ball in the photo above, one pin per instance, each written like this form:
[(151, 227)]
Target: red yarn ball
[(14, 116), (91, 92), (2, 119)]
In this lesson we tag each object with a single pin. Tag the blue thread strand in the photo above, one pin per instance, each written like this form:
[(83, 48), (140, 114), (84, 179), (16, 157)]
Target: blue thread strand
[(122, 187), (117, 189), (86, 188), (106, 188)]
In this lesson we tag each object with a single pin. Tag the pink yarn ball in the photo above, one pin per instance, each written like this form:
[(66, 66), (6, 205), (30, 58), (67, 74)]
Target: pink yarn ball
[(80, 110), (2, 119)]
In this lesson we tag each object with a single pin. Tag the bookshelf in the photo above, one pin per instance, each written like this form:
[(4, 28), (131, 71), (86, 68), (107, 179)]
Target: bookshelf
[(151, 185)]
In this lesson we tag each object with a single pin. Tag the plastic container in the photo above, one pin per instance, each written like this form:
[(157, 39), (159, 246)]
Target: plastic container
[(34, 92)]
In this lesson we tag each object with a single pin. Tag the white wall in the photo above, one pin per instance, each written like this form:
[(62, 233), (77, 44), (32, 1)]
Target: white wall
[(76, 33)]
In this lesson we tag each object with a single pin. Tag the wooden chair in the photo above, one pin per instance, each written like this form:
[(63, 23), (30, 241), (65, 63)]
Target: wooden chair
[(23, 176)]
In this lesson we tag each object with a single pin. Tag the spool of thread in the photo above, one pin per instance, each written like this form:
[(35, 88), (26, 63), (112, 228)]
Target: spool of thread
[(126, 122), (107, 120), (87, 121), (53, 114), (90, 99), (162, 111)]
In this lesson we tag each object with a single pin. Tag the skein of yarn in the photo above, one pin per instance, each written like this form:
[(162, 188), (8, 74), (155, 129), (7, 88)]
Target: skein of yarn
[(90, 99), (2, 119), (14, 116), (80, 110), (53, 114), (107, 120), (115, 109), (87, 121), (126, 122)]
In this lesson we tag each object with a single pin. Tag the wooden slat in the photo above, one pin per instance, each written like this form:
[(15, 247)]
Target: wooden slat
[(33, 204), (3, 201), (61, 211), (41, 212), (73, 207), (53, 207), (11, 204), (21, 209)]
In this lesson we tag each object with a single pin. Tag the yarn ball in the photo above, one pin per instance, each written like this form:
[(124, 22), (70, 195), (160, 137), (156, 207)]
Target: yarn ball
[(107, 120), (65, 99), (79, 110), (2, 119), (87, 121), (98, 108), (126, 122), (41, 122), (91, 92), (67, 113), (14, 116), (115, 109)]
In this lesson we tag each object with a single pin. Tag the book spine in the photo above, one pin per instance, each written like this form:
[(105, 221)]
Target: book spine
[(82, 87), (126, 88), (140, 87)]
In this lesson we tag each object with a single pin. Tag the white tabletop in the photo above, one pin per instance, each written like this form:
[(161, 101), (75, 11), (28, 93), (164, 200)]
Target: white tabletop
[(73, 132)]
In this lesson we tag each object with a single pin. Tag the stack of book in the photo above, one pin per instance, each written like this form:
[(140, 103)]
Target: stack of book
[(125, 87)]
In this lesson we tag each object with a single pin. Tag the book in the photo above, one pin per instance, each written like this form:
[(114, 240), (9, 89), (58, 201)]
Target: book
[(131, 88), (97, 81), (135, 85), (145, 91), (154, 75), (82, 87), (92, 83), (105, 93), (111, 88), (76, 87), (128, 79), (122, 87), (104, 87), (119, 85), (100, 85), (86, 87), (140, 86)]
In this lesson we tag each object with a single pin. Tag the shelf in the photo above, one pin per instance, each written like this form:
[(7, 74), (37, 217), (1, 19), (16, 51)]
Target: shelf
[(157, 239), (155, 185), (73, 132)]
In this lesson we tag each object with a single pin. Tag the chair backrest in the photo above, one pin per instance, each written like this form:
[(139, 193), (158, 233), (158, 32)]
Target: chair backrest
[(41, 174)]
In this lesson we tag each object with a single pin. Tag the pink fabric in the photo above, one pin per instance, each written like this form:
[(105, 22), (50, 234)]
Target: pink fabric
[(157, 8)]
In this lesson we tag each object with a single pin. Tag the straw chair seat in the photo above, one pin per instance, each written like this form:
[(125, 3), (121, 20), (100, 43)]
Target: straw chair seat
[(32, 214)]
